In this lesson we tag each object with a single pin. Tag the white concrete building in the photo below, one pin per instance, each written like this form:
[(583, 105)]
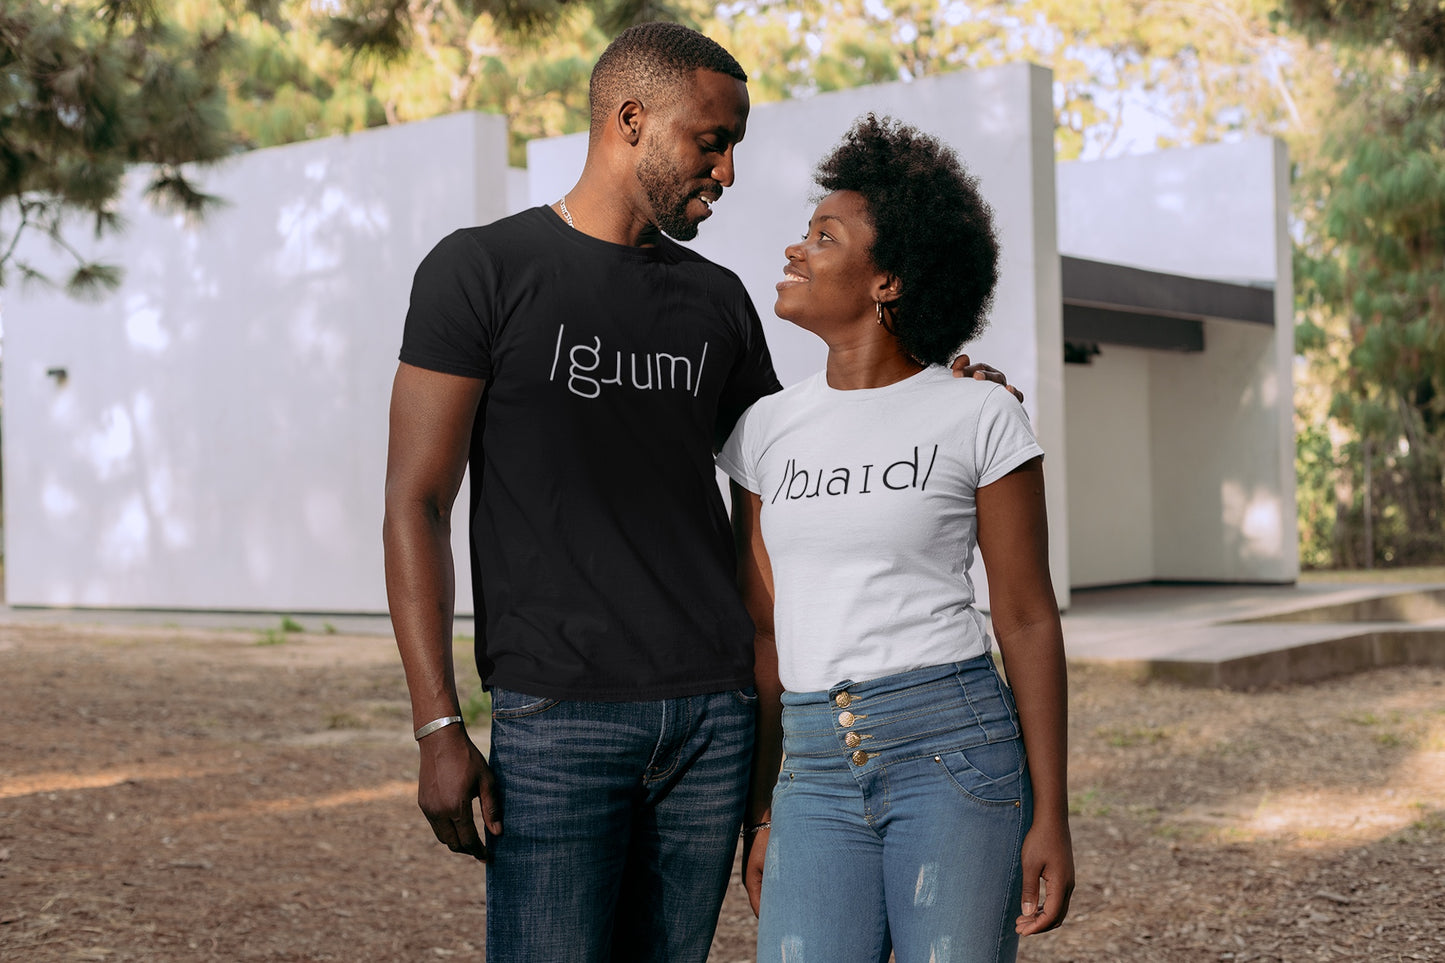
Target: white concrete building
[(213, 435)]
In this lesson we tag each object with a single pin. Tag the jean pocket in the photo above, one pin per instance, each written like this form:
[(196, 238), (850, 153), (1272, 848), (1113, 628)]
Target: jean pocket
[(991, 773), (507, 704), (747, 696)]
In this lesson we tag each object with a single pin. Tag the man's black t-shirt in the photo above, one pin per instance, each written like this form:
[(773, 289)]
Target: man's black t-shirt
[(602, 559)]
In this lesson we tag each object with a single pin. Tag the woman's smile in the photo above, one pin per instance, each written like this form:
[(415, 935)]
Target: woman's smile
[(791, 276)]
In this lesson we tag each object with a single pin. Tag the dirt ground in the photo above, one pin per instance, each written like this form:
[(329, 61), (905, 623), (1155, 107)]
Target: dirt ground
[(175, 795)]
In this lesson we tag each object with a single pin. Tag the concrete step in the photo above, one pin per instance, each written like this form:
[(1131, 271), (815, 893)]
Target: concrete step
[(1259, 636)]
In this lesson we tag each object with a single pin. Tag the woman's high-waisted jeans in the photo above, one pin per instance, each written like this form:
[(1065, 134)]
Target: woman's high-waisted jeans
[(898, 819)]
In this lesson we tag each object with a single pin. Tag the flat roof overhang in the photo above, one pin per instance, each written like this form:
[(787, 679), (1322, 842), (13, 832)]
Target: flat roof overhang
[(1115, 304)]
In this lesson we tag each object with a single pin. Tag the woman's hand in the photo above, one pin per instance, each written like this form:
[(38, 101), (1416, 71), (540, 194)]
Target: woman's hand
[(755, 853), (1048, 864)]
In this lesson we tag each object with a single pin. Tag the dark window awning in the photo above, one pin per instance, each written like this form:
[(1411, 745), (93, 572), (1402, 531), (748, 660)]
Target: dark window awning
[(1113, 304)]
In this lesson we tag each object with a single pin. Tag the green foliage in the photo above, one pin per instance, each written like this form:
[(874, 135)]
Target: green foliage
[(475, 701), (280, 635), (388, 29), (86, 91), (1212, 69), (477, 705), (309, 69), (1371, 222), (528, 60), (1370, 277), (1315, 472), (271, 637), (1414, 27)]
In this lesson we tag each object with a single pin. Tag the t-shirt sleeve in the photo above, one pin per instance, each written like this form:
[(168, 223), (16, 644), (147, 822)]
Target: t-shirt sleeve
[(1004, 439), (451, 317), (738, 458), (752, 376)]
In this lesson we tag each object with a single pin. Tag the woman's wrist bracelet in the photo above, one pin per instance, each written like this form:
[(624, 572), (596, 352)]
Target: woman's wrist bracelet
[(434, 725), (756, 828)]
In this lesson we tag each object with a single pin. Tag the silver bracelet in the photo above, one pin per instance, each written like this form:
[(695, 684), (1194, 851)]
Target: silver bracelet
[(434, 725), (755, 828)]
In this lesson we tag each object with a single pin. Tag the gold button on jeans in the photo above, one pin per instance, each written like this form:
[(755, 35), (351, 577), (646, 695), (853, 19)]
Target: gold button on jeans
[(844, 699), (852, 739), (845, 718), (859, 757)]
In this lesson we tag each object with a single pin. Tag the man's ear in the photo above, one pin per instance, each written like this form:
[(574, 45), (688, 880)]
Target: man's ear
[(629, 121)]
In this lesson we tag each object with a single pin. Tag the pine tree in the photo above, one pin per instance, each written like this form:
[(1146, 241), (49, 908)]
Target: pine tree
[(1371, 276), (86, 92)]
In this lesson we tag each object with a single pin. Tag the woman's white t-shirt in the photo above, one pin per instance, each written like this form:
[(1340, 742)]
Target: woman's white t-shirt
[(869, 519)]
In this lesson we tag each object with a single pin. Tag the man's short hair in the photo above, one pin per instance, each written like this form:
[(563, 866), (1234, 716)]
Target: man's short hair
[(650, 61)]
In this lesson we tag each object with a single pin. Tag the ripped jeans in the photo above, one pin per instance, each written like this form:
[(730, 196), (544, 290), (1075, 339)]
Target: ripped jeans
[(898, 820)]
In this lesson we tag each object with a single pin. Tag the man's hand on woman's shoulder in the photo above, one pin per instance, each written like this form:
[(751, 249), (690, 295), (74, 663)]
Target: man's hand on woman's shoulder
[(964, 368)]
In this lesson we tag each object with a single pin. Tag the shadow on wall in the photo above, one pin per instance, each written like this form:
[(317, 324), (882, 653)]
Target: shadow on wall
[(219, 441), (1220, 511)]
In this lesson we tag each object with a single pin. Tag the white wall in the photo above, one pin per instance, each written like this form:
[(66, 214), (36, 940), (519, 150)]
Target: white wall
[(1204, 211), (219, 441), (1111, 472), (1221, 442), (1221, 507), (1001, 123)]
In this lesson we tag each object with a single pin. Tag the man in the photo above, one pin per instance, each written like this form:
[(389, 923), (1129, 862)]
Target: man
[(585, 367)]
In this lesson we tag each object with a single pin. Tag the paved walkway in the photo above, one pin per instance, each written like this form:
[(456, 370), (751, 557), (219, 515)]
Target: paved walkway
[(1237, 636), (1245, 636)]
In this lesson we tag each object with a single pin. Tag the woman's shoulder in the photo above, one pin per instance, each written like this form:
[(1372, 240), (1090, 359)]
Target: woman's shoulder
[(968, 406), (939, 382)]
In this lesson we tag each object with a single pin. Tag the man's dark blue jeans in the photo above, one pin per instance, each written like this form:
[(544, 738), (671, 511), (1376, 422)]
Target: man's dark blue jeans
[(619, 825)]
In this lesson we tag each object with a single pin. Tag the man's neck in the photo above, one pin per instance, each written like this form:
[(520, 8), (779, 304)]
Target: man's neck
[(601, 213)]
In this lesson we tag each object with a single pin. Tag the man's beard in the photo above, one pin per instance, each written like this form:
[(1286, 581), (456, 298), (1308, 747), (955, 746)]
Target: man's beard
[(668, 196)]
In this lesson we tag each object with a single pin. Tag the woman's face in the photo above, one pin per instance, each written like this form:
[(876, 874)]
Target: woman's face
[(830, 283)]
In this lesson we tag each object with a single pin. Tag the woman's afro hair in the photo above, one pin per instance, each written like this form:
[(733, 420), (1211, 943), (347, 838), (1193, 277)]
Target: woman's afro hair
[(935, 232)]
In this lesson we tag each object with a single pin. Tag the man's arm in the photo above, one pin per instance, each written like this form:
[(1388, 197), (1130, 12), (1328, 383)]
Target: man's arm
[(1013, 538), (755, 581), (431, 428)]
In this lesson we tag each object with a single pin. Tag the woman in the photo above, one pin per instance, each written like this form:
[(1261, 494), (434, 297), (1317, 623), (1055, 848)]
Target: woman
[(918, 810)]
